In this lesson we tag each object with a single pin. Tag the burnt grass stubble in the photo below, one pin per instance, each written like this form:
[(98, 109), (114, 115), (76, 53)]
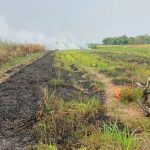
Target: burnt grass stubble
[(21, 95)]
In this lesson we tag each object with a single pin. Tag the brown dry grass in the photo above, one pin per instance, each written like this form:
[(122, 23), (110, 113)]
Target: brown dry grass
[(11, 50)]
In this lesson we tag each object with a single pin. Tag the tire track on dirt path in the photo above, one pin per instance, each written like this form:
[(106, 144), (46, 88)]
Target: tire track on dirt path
[(114, 107), (20, 97)]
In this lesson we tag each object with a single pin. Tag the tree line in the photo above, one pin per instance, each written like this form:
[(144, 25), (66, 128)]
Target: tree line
[(125, 40)]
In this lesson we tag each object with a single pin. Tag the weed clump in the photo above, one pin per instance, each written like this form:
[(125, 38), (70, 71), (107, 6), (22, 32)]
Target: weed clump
[(65, 123), (130, 94)]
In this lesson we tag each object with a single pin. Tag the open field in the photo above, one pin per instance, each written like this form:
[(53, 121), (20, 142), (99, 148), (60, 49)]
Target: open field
[(77, 100), (126, 63)]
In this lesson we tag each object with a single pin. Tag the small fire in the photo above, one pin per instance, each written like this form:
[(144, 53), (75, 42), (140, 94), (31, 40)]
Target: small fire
[(117, 92)]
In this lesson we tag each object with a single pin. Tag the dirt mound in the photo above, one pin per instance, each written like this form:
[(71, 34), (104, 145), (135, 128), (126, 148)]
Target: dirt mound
[(19, 98)]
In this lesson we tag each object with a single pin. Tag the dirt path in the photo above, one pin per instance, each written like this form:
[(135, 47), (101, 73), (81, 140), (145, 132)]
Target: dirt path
[(114, 107), (19, 101)]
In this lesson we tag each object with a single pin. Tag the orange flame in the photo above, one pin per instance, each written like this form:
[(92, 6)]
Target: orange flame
[(117, 92)]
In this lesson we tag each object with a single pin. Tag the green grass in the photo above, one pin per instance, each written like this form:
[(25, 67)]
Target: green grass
[(123, 138), (80, 59), (130, 48), (111, 137), (124, 64), (57, 82), (42, 147), (120, 62)]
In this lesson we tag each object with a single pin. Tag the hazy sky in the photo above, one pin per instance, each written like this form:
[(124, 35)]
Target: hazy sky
[(86, 20)]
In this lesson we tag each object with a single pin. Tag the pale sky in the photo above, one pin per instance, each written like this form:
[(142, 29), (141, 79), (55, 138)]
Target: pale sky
[(83, 20)]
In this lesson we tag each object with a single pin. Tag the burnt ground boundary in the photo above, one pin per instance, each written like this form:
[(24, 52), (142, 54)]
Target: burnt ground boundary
[(20, 97)]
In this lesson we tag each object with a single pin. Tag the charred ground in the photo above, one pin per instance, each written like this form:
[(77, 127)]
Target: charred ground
[(19, 98), (58, 100)]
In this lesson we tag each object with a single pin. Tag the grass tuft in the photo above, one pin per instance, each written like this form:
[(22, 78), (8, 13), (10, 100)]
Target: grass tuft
[(130, 94)]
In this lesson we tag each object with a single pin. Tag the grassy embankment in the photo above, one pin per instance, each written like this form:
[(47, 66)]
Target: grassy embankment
[(13, 55), (78, 123)]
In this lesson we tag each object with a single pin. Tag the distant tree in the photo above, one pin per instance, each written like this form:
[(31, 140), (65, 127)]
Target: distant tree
[(124, 40)]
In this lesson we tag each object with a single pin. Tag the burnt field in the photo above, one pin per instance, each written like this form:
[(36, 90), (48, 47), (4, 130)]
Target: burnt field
[(68, 100), (21, 98)]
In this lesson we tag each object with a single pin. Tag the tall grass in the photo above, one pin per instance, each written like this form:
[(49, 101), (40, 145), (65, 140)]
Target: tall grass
[(111, 137), (11, 50), (42, 147), (121, 138)]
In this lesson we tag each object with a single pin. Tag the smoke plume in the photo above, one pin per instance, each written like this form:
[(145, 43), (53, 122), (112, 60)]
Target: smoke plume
[(63, 40)]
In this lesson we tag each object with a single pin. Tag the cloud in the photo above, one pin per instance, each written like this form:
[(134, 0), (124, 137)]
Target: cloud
[(62, 40)]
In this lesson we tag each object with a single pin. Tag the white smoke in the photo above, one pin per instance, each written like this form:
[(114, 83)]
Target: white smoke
[(63, 40)]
